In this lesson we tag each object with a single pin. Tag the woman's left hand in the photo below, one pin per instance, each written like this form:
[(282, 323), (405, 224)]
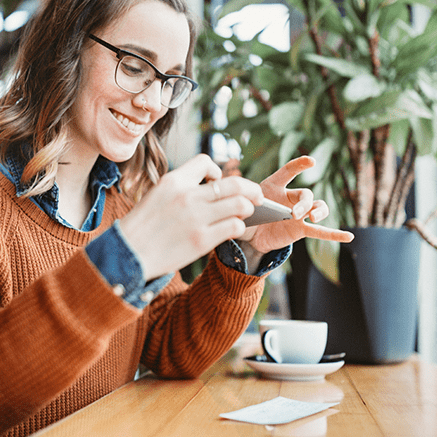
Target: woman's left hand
[(271, 236)]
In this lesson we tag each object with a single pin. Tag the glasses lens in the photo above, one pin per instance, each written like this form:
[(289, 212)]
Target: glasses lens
[(175, 91), (133, 74)]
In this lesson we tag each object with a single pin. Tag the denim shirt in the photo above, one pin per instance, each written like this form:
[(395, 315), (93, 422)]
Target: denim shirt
[(110, 252)]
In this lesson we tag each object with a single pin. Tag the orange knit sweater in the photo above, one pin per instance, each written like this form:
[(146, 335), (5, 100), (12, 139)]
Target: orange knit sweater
[(66, 339)]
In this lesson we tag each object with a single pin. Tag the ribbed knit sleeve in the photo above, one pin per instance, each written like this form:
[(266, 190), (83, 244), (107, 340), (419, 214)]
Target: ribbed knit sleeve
[(51, 333), (57, 313), (189, 331)]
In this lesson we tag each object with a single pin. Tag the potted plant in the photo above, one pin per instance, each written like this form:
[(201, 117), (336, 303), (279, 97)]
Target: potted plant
[(358, 91)]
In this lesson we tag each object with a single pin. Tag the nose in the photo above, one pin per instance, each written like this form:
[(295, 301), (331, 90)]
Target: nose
[(150, 98)]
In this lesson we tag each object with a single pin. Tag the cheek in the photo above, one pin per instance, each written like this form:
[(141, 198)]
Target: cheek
[(159, 115), (97, 81)]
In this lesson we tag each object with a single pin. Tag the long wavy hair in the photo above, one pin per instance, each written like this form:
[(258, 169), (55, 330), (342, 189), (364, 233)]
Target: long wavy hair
[(46, 75)]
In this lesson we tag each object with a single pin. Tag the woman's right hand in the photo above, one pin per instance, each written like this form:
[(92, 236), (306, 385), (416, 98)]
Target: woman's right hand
[(179, 220)]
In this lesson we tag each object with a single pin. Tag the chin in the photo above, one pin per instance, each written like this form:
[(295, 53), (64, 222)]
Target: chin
[(121, 154)]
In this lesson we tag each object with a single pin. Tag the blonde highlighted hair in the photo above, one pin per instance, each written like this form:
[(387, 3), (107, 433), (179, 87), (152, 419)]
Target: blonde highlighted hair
[(34, 110)]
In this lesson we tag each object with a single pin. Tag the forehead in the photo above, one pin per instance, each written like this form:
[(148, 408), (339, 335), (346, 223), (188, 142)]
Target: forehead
[(155, 27)]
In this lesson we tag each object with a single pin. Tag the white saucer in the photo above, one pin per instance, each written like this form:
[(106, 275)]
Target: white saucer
[(293, 372)]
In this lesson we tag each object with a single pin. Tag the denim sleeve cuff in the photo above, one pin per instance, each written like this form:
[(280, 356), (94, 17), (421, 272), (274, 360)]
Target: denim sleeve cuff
[(117, 263), (231, 255)]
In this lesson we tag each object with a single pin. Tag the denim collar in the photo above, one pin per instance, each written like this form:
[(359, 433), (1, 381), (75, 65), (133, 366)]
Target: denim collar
[(104, 175)]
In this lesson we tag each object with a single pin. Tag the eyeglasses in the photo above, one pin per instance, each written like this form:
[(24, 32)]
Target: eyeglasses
[(135, 74)]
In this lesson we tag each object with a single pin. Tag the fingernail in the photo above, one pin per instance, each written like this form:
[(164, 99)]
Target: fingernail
[(316, 216), (298, 212)]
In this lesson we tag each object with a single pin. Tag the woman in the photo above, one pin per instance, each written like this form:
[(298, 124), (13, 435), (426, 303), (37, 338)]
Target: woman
[(93, 228)]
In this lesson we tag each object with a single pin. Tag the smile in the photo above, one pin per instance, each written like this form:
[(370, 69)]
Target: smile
[(127, 123)]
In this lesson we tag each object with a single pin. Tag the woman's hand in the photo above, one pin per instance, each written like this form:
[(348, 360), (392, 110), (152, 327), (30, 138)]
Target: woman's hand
[(180, 220), (267, 237)]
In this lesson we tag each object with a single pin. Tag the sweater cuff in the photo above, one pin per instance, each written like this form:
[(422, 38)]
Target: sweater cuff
[(90, 299)]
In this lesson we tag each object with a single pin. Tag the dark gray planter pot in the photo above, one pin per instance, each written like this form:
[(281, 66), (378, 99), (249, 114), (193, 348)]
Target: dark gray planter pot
[(372, 315)]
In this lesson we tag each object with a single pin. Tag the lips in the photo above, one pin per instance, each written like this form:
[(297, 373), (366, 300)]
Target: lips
[(128, 123)]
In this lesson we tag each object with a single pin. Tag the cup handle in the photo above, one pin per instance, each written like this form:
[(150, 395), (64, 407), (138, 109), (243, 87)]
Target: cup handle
[(266, 342)]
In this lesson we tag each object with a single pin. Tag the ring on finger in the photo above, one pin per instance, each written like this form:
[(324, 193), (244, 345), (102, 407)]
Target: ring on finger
[(216, 189)]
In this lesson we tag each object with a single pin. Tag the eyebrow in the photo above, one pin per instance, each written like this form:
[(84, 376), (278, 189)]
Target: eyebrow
[(149, 54)]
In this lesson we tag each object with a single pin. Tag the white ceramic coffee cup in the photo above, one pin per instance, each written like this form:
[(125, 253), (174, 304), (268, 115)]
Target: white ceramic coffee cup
[(294, 341)]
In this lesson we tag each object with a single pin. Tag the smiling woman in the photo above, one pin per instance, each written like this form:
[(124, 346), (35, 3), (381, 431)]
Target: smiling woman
[(94, 230)]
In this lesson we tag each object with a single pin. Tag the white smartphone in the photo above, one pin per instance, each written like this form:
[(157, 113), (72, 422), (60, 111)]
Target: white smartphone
[(269, 212)]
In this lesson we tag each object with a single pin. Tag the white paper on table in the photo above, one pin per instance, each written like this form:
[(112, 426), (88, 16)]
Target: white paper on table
[(277, 411)]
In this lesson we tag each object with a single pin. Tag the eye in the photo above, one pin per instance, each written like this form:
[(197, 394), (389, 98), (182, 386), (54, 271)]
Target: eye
[(134, 67), (168, 85)]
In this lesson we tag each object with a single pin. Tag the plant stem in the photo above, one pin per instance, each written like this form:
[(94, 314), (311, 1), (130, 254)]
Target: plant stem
[(419, 227), (347, 190), (379, 144), (351, 140), (361, 214), (407, 160), (266, 104), (374, 53), (400, 212), (432, 216), (380, 158), (336, 108)]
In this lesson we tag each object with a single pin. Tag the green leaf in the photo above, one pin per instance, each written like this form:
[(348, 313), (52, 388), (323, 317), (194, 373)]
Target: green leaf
[(432, 22), (235, 105), (390, 12), (358, 27), (398, 135), (429, 3), (422, 135), (373, 5), (285, 117), (289, 146), (264, 165), (373, 20), (340, 66), (434, 128), (427, 85), (295, 51), (377, 104), (331, 17), (411, 102), (217, 78), (323, 155), (257, 126), (363, 87), (262, 50), (416, 52), (310, 110), (266, 78), (408, 105)]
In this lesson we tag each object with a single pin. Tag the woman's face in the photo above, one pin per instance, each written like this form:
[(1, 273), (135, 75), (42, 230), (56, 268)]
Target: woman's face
[(107, 120)]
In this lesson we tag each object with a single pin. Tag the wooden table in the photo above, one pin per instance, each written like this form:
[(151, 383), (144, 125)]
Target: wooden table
[(384, 400)]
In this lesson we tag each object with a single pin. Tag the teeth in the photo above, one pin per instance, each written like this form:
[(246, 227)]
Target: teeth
[(129, 124)]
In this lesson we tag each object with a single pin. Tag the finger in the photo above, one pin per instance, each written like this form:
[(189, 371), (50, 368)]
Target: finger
[(199, 168), (230, 228), (235, 206), (328, 234), (289, 171), (233, 186), (304, 204), (319, 211)]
